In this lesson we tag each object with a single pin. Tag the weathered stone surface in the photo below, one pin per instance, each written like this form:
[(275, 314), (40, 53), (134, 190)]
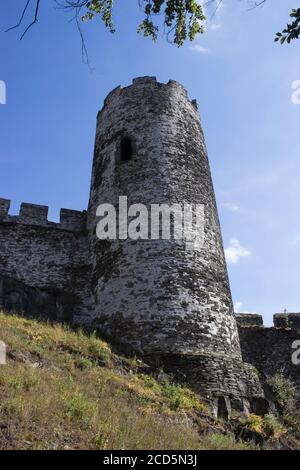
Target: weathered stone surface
[(33, 214), (4, 207), (270, 349), (226, 382), (156, 295), (287, 320), (249, 319), (43, 257), (54, 305)]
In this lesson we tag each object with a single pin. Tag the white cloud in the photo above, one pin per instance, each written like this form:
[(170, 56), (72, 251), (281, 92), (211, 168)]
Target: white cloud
[(235, 251), (237, 307), (211, 23), (215, 26), (199, 48), (232, 207)]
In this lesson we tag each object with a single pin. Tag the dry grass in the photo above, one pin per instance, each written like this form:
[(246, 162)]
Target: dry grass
[(67, 390)]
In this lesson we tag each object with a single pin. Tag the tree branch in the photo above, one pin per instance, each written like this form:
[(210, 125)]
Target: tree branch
[(77, 6), (216, 9), (84, 51), (21, 18), (35, 19), (257, 4)]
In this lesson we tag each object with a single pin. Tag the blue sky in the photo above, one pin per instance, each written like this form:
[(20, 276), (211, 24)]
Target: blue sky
[(242, 81)]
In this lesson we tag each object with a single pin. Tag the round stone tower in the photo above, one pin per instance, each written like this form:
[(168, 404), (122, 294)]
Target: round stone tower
[(158, 296)]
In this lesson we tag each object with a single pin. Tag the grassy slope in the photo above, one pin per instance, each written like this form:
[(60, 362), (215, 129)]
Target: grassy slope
[(66, 390)]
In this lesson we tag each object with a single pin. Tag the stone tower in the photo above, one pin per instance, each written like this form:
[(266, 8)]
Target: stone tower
[(157, 296)]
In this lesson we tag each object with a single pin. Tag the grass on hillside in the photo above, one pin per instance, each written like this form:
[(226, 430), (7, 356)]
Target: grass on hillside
[(67, 390)]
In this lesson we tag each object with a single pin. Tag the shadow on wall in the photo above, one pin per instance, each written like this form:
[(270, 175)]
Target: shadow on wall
[(17, 297)]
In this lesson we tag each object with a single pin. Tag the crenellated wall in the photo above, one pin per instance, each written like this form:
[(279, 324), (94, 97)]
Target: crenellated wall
[(45, 256), (34, 214), (270, 349), (155, 297)]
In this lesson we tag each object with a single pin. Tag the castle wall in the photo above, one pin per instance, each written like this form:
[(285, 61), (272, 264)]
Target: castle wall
[(41, 257), (269, 349), (218, 375), (156, 295)]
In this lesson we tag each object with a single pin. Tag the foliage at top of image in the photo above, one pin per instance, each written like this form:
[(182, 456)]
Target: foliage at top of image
[(182, 19), (292, 30)]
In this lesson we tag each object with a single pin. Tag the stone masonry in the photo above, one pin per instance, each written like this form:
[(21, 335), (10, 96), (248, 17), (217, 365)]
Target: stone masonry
[(43, 265), (155, 298), (156, 295), (270, 349)]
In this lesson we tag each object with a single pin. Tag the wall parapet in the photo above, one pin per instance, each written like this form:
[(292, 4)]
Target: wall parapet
[(4, 207), (249, 319), (34, 214), (287, 320), (147, 82), (280, 320)]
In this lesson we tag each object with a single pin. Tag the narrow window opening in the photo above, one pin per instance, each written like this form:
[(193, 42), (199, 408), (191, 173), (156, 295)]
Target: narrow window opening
[(223, 412), (126, 149)]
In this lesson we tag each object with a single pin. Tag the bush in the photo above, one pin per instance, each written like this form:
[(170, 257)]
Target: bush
[(78, 409), (218, 441), (285, 392), (271, 426), (253, 423)]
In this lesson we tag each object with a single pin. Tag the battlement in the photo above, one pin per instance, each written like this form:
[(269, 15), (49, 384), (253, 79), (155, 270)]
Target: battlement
[(249, 319), (34, 214), (148, 135), (4, 207), (72, 220), (144, 80), (280, 320), (148, 82), (287, 320)]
